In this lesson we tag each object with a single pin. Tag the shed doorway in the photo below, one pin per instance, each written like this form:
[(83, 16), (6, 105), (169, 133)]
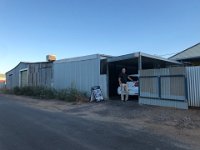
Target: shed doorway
[(23, 78), (114, 71)]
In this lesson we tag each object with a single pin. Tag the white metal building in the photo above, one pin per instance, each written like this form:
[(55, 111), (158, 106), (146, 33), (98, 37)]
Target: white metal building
[(81, 73), (101, 70)]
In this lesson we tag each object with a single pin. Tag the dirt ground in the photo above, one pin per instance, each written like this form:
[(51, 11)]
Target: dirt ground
[(181, 125)]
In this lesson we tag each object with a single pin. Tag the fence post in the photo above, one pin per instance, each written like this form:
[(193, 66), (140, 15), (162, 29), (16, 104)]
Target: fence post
[(186, 89), (159, 86)]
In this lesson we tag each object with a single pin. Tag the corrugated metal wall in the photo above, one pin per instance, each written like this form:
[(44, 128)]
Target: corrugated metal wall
[(163, 87), (104, 85), (12, 77), (193, 81), (149, 87), (40, 74), (80, 73)]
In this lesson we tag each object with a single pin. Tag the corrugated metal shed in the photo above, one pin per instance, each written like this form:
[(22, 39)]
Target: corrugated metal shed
[(81, 73), (12, 76), (30, 74), (189, 53)]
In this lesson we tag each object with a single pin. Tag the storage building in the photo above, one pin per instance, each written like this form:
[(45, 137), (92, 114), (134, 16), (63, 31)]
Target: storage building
[(81, 73), (30, 74)]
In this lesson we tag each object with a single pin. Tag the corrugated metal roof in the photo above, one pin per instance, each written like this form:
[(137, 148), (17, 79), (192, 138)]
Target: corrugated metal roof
[(82, 58), (28, 63), (137, 54), (189, 53)]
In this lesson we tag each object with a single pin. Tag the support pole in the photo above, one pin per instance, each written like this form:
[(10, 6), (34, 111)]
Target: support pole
[(139, 62)]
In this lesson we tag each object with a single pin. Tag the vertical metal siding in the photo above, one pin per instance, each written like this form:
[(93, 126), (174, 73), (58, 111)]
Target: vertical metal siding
[(40, 74), (193, 81), (164, 103), (173, 88), (104, 85), (12, 77), (80, 74), (149, 87)]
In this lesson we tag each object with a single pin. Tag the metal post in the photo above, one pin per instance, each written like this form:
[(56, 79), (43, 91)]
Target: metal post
[(159, 87), (139, 69), (140, 62), (186, 88)]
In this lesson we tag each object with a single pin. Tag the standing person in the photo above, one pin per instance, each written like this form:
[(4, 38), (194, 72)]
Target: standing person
[(123, 78)]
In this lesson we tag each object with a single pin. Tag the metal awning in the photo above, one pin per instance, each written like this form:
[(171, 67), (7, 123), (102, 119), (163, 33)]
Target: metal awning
[(138, 54)]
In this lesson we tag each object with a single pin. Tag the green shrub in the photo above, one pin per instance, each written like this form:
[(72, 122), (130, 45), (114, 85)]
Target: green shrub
[(61, 94), (27, 91), (17, 90), (69, 95), (6, 91), (37, 91), (47, 93), (75, 96)]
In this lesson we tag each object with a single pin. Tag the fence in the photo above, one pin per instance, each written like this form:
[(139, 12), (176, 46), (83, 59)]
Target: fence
[(164, 87), (193, 82)]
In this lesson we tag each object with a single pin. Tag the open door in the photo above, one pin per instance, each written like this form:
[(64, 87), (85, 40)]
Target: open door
[(24, 78)]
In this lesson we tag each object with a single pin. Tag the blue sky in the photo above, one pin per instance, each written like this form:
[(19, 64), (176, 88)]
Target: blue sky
[(31, 29)]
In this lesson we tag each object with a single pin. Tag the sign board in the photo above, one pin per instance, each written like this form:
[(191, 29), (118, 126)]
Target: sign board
[(96, 94)]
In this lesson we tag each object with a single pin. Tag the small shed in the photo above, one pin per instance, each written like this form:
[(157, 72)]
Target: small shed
[(81, 73), (30, 74)]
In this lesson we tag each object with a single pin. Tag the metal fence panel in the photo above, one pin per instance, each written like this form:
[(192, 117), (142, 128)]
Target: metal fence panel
[(163, 87), (149, 87), (193, 81), (173, 87)]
